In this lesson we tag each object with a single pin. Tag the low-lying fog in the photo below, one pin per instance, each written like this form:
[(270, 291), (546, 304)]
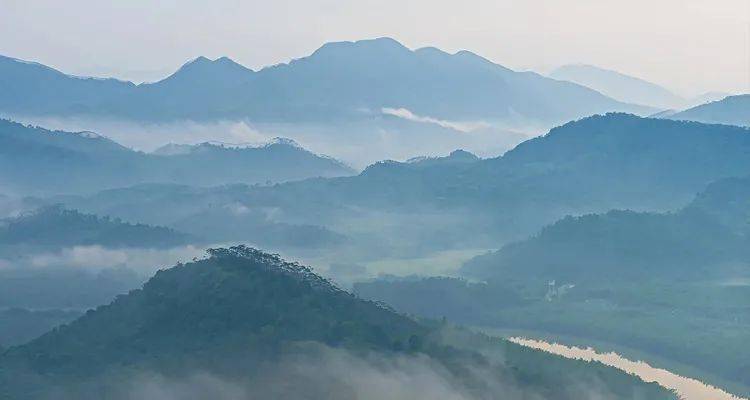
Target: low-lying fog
[(392, 134)]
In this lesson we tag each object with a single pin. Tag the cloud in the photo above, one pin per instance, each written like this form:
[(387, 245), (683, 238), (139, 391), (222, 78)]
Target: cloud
[(397, 138), (313, 372), (150, 136), (464, 127), (11, 206), (97, 258)]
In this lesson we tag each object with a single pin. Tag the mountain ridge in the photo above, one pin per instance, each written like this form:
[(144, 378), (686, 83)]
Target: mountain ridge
[(337, 81), (623, 87), (65, 162), (732, 110)]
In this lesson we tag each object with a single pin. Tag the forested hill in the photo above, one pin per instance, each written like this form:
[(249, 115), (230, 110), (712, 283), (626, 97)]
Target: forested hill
[(708, 239), (56, 227), (243, 314)]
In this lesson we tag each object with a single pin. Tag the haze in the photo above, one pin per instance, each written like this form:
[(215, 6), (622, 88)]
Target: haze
[(670, 42)]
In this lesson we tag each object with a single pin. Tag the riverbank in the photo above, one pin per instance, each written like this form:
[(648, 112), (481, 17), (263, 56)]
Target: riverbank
[(686, 388), (686, 371)]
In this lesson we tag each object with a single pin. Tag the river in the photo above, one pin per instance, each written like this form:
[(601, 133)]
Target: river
[(686, 388)]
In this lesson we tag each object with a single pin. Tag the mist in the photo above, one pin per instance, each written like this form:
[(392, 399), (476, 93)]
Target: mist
[(382, 135), (315, 371), (96, 258)]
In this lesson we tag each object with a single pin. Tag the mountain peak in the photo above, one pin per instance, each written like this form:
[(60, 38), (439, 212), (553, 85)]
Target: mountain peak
[(284, 142), (462, 154), (375, 46), (203, 68)]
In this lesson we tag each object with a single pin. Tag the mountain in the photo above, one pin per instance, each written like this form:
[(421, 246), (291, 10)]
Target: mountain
[(36, 160), (588, 166), (18, 325), (619, 86), (706, 239), (57, 227), (245, 324), (732, 110), (621, 245), (653, 282), (707, 97), (339, 81), (455, 157), (30, 88), (55, 258)]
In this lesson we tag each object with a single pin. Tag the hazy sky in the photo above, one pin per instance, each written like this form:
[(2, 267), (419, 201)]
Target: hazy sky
[(692, 46)]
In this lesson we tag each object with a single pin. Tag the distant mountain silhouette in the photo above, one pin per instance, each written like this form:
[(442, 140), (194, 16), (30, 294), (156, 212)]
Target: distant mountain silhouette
[(732, 110), (619, 86), (343, 80), (35, 160), (250, 321)]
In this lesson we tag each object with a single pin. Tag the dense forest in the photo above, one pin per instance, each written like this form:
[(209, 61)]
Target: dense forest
[(241, 313)]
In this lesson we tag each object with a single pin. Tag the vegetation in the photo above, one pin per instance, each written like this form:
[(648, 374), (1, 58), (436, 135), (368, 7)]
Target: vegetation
[(600, 163), (58, 227), (665, 284), (239, 310), (20, 325)]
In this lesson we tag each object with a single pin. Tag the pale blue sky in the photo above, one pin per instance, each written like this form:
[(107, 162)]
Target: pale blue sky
[(692, 46)]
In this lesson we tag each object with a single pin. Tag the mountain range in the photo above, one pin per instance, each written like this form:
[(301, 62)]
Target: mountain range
[(588, 166), (339, 81), (38, 161)]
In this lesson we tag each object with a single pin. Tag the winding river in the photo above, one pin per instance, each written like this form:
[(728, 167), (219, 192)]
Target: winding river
[(686, 388)]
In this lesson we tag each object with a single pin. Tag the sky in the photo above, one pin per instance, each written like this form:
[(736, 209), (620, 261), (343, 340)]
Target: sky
[(690, 46)]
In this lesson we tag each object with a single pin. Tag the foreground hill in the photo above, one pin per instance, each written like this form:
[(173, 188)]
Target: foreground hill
[(243, 324), (732, 110), (619, 86), (36, 160), (344, 80)]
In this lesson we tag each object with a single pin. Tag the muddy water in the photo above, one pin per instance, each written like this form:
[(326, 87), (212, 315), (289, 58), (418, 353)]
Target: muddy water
[(686, 388)]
